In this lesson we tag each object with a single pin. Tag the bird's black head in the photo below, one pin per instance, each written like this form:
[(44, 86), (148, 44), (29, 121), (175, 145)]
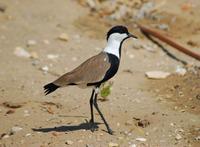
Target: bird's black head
[(122, 32)]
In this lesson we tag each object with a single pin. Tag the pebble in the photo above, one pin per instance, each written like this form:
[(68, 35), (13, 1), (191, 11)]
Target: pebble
[(21, 52), (180, 70), (2, 7), (28, 134), (91, 4), (15, 129), (112, 144), (131, 56), (157, 74), (133, 145), (52, 56), (31, 43), (5, 136), (141, 139), (197, 138), (63, 37), (26, 113), (46, 41), (178, 137), (34, 55), (74, 59), (163, 27), (69, 142), (45, 68)]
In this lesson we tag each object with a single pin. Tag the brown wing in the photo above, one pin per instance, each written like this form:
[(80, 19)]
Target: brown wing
[(91, 71)]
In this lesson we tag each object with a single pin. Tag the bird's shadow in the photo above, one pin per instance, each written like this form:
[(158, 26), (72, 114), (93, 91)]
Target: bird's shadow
[(69, 128)]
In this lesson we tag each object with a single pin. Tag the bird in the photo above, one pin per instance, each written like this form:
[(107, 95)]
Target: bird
[(96, 70)]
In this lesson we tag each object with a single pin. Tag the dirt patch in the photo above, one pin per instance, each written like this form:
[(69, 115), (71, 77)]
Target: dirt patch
[(182, 91)]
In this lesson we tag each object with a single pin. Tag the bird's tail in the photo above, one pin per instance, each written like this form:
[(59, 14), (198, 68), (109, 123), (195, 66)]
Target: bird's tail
[(49, 88)]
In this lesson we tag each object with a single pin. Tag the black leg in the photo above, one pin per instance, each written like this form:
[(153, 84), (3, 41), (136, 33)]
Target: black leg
[(102, 117), (92, 124), (91, 107)]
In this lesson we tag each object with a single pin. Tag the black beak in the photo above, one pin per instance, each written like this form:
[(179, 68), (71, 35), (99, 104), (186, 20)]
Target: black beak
[(131, 35)]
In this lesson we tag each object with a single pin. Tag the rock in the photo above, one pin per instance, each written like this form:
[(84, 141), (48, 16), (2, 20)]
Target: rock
[(163, 27), (63, 37), (91, 4), (12, 105), (131, 56), (178, 137), (197, 138), (31, 43), (143, 123), (157, 74), (28, 134), (26, 113), (34, 55), (5, 136), (15, 130), (180, 70), (2, 7), (74, 59), (21, 52), (133, 145), (10, 111), (69, 142), (52, 56), (141, 139), (111, 144), (46, 41), (45, 68)]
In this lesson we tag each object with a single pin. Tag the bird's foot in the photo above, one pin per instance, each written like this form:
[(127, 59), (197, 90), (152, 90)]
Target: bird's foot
[(111, 132), (93, 125)]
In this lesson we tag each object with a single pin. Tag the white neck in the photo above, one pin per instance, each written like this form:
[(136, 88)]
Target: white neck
[(113, 47)]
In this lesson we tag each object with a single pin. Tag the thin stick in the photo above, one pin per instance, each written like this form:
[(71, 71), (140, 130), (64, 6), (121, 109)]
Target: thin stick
[(169, 41)]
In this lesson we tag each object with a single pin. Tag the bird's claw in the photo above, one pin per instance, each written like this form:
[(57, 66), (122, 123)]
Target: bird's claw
[(93, 126)]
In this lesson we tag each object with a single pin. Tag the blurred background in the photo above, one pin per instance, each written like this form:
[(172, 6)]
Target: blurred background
[(154, 100)]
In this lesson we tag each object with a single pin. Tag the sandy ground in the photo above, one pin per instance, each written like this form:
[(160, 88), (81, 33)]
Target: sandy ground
[(169, 106)]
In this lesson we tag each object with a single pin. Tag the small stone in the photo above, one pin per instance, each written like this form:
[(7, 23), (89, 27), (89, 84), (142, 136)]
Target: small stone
[(163, 27), (5, 136), (69, 142), (131, 56), (21, 52), (63, 37), (46, 41), (31, 43), (118, 124), (112, 144), (26, 113), (15, 129), (34, 55), (52, 56), (45, 68), (197, 138), (157, 74), (91, 4), (80, 141), (74, 59), (2, 7), (28, 134), (180, 70), (141, 139), (133, 145), (178, 137)]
